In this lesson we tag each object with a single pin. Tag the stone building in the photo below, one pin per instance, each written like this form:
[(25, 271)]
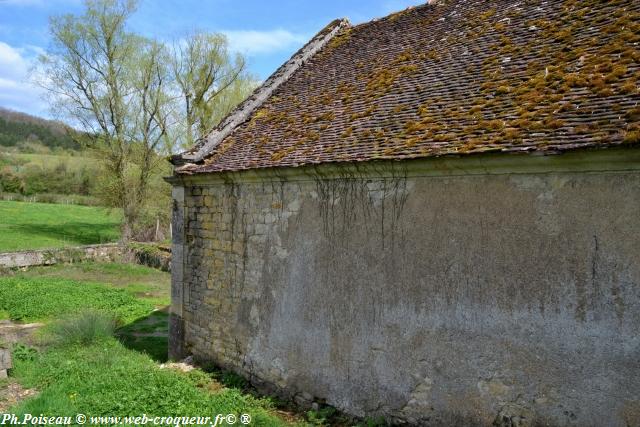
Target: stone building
[(432, 217)]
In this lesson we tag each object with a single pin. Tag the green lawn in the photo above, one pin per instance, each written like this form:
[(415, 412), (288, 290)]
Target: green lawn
[(143, 282), (50, 161), (106, 379), (41, 225), (146, 333), (137, 296), (113, 375), (28, 300)]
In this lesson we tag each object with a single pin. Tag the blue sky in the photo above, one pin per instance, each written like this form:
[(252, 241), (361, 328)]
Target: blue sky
[(267, 32)]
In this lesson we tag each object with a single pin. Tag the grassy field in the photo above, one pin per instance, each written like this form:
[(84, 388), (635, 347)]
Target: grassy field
[(49, 161), (41, 225), (146, 283), (138, 296), (93, 370), (146, 330), (28, 300)]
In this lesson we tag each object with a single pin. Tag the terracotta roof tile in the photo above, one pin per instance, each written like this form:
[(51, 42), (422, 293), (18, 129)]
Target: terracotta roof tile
[(458, 77)]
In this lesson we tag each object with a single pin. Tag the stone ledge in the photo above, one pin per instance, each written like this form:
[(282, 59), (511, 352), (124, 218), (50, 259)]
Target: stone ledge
[(110, 251)]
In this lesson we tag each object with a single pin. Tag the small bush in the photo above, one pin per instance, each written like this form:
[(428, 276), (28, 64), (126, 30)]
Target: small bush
[(82, 328), (227, 378)]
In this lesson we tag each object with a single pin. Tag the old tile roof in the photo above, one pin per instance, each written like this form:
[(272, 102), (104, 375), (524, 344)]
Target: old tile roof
[(451, 77)]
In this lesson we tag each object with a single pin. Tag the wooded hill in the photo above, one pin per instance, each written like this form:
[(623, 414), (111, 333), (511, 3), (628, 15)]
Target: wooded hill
[(16, 128)]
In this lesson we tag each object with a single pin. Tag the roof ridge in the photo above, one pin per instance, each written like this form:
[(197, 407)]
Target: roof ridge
[(242, 112)]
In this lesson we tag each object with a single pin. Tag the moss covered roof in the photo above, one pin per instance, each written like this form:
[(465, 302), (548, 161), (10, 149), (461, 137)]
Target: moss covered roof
[(454, 77)]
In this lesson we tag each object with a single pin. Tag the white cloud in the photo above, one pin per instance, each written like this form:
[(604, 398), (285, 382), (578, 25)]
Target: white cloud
[(253, 42), (11, 61), (16, 91)]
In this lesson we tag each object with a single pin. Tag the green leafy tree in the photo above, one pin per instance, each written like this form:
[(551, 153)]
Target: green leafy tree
[(211, 83), (136, 98), (112, 82)]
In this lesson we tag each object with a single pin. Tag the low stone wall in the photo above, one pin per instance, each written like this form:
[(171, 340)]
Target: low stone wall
[(106, 252)]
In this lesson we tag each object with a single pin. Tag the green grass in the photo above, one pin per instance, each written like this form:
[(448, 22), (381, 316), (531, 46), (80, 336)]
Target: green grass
[(50, 161), (31, 299), (143, 296), (143, 282), (84, 327), (148, 335), (107, 379), (110, 376), (41, 225), (129, 291)]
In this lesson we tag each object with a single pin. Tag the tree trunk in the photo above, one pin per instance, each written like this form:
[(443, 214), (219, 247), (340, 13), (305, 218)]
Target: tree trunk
[(128, 224)]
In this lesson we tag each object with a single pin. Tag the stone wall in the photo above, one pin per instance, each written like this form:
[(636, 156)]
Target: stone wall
[(104, 252), (441, 294)]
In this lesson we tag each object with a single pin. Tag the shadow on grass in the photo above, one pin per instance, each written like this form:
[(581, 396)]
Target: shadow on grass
[(82, 233), (148, 335)]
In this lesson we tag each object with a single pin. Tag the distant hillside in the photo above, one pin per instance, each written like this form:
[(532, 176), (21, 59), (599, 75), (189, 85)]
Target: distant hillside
[(19, 128)]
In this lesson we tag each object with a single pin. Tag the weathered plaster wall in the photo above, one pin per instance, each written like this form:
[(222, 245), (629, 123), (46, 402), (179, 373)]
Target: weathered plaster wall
[(438, 300)]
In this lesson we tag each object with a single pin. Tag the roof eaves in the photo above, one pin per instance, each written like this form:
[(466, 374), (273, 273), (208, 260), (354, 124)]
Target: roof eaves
[(243, 111)]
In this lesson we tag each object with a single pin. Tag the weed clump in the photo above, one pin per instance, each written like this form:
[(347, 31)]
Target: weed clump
[(84, 328)]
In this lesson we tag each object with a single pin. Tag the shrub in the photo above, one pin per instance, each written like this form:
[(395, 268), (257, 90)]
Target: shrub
[(225, 377), (85, 328)]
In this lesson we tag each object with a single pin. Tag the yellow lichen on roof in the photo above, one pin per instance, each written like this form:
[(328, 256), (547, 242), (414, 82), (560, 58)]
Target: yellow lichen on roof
[(483, 75)]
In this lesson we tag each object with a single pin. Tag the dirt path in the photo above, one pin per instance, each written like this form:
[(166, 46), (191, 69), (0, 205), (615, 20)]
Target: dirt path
[(11, 393)]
